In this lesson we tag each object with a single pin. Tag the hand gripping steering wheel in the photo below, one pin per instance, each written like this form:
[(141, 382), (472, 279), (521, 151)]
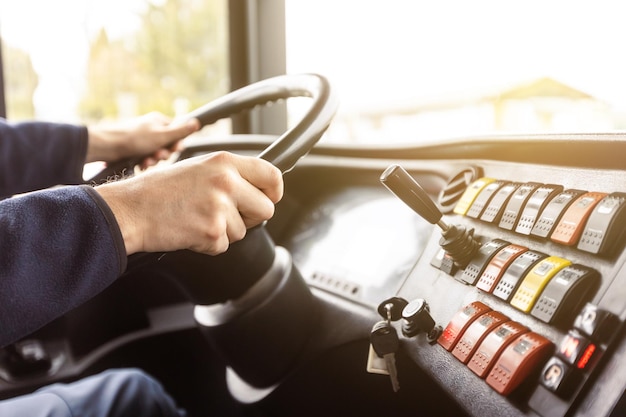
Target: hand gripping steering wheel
[(252, 292), (248, 259)]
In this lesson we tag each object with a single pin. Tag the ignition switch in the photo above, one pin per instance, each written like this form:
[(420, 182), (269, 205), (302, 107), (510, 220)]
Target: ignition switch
[(416, 318)]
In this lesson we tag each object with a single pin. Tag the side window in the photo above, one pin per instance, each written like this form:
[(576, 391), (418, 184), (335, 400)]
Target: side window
[(76, 61)]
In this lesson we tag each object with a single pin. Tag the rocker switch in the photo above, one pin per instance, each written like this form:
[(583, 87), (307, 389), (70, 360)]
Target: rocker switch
[(460, 322)]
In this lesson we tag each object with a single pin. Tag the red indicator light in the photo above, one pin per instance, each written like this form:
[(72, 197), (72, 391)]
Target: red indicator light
[(586, 356)]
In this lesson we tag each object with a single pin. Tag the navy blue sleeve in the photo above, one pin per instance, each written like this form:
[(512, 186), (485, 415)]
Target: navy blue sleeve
[(58, 249), (36, 155)]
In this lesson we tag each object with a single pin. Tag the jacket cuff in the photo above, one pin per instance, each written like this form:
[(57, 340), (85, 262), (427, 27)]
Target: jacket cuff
[(114, 227)]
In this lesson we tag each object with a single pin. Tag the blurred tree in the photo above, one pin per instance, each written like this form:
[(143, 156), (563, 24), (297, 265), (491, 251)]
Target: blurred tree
[(109, 74), (20, 83), (176, 62)]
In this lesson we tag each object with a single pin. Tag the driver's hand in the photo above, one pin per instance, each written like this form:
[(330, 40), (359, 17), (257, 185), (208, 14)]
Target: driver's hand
[(152, 136), (203, 203)]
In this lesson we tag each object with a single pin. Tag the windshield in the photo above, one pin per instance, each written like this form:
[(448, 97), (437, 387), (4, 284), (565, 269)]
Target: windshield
[(413, 70), (406, 71)]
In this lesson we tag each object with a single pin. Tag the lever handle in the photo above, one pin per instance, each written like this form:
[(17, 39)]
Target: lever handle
[(455, 240), (399, 182)]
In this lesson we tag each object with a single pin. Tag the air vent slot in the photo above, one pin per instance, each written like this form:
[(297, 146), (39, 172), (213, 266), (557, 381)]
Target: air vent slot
[(334, 284), (452, 192)]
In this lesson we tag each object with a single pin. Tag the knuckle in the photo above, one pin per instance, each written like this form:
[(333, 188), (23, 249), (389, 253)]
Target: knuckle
[(276, 178), (222, 157), (238, 234), (212, 248), (226, 181), (269, 210), (214, 231), (220, 247)]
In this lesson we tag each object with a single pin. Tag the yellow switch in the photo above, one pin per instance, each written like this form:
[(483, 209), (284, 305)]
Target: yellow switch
[(468, 197), (535, 281)]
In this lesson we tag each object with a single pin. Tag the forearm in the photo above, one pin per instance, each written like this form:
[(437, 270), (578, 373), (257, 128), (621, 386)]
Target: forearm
[(59, 248), (37, 155)]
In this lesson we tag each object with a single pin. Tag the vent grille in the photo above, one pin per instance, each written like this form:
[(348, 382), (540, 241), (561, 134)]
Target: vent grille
[(334, 284), (452, 192)]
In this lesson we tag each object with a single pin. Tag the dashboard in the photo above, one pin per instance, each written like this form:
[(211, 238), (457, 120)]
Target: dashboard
[(358, 242), (532, 324)]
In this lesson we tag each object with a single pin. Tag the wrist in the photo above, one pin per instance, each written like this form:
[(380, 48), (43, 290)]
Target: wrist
[(120, 200), (104, 145)]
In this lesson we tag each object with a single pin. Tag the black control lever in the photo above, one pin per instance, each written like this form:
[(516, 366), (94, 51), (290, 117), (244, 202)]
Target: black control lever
[(458, 242)]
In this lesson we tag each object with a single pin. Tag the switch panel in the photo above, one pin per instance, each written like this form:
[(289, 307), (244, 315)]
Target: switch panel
[(516, 271), (565, 295), (535, 281), (535, 205), (553, 211), (483, 198), (475, 333), (495, 208), (506, 353), (516, 204), (461, 320), (492, 346), (470, 194), (519, 359), (477, 265), (571, 225), (498, 264), (604, 229)]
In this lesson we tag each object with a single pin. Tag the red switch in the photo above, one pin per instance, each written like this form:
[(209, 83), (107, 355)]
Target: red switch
[(461, 320), (475, 333), (518, 360), (498, 264), (493, 345)]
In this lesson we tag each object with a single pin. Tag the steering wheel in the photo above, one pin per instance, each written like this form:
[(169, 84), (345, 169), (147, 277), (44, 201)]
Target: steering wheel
[(248, 292), (251, 257), (288, 148)]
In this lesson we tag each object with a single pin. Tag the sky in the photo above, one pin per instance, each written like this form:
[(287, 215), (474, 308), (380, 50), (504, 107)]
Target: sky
[(432, 48), (376, 52)]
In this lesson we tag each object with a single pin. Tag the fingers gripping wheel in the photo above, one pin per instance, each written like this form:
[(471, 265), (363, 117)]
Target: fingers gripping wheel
[(287, 149), (250, 258)]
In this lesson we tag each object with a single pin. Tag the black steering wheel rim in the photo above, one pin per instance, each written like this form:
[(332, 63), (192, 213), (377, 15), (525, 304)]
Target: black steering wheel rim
[(251, 257), (289, 147), (295, 142)]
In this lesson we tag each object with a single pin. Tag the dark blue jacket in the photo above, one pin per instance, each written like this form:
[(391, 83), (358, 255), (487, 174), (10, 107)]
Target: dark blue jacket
[(58, 247)]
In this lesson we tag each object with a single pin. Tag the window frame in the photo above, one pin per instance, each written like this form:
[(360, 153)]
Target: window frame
[(257, 50), (3, 106)]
